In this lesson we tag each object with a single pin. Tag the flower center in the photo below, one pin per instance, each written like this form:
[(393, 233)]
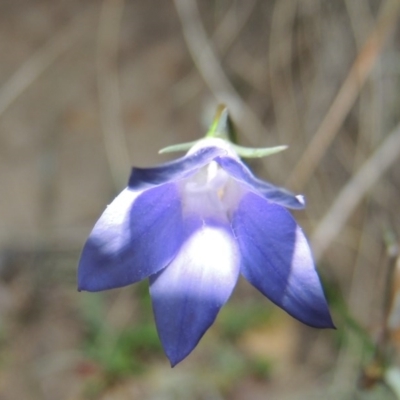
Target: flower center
[(209, 178), (203, 193), (211, 193)]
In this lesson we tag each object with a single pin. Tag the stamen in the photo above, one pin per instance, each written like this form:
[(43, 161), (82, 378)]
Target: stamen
[(212, 171)]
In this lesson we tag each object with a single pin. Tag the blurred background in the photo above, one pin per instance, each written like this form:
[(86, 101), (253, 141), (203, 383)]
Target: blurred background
[(89, 88)]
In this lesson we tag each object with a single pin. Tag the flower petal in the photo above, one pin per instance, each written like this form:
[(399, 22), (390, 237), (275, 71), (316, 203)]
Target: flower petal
[(277, 260), (270, 192), (136, 236), (188, 294), (142, 178)]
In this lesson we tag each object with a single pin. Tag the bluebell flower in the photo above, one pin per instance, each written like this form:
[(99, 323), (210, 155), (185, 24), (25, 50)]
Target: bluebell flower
[(192, 226)]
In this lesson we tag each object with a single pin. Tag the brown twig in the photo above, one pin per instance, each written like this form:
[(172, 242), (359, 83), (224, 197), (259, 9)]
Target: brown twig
[(354, 191), (280, 60), (212, 72), (345, 97), (41, 60), (223, 38), (109, 95)]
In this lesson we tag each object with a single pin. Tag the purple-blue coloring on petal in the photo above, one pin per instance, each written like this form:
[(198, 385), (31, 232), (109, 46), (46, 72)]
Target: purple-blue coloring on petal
[(188, 294), (143, 178), (277, 260), (137, 235), (191, 226), (269, 191)]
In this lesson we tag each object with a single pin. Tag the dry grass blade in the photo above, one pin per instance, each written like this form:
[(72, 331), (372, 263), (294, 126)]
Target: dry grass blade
[(42, 59), (232, 25), (223, 38), (211, 70), (109, 95), (353, 192), (280, 59), (346, 97)]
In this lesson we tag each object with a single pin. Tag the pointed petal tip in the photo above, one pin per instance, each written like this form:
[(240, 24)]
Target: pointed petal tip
[(174, 361), (325, 325), (331, 324), (176, 354), (90, 284), (277, 260), (321, 319), (188, 294), (136, 236)]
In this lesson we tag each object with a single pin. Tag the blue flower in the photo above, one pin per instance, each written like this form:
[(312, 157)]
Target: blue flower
[(192, 226)]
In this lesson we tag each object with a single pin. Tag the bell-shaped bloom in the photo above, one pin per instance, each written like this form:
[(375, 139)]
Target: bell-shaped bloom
[(192, 226)]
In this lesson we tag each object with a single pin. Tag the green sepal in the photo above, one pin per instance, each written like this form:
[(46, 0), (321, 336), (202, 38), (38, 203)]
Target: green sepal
[(249, 152), (178, 147), (222, 128)]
